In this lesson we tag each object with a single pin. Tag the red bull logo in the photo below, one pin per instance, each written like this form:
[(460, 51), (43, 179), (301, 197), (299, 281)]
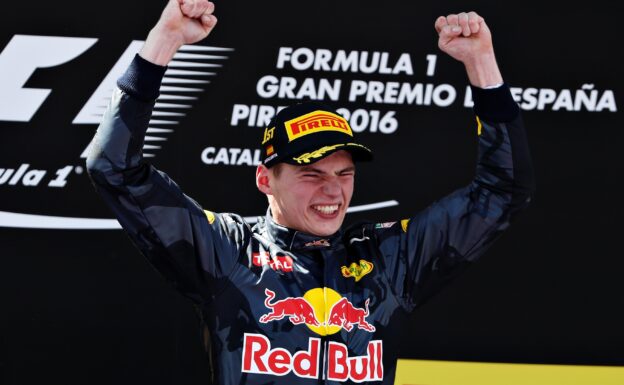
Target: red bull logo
[(323, 310), (314, 122), (345, 315), (298, 310), (260, 358)]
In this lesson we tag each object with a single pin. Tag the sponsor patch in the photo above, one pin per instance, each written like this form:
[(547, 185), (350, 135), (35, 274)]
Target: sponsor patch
[(357, 270), (270, 157), (384, 225), (278, 263), (318, 242), (314, 122), (404, 223)]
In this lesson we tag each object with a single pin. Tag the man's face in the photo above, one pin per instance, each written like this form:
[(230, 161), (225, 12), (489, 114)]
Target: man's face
[(313, 198)]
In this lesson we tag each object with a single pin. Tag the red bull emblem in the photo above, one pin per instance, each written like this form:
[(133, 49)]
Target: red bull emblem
[(260, 358), (278, 262), (323, 310), (345, 315), (298, 310)]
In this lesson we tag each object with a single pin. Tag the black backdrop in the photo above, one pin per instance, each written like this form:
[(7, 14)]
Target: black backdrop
[(80, 305)]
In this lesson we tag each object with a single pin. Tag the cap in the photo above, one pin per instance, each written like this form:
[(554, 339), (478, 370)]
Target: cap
[(307, 132)]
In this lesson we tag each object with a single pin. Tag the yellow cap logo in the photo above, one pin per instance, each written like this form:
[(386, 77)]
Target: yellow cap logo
[(314, 122), (268, 134)]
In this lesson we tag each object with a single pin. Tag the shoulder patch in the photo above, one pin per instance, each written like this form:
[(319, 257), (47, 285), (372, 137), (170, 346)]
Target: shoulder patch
[(210, 215)]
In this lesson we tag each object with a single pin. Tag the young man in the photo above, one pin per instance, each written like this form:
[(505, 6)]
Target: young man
[(296, 298)]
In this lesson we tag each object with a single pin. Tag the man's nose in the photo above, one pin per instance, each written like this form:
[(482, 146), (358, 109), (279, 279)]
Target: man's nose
[(331, 187)]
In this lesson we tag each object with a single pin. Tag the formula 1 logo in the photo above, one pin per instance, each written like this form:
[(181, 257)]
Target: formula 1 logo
[(186, 77), (20, 59), (311, 311)]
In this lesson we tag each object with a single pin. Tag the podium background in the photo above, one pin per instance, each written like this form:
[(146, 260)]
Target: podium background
[(82, 306)]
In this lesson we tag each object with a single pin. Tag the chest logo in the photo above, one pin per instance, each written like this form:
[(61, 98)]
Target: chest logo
[(357, 270), (322, 310), (278, 262)]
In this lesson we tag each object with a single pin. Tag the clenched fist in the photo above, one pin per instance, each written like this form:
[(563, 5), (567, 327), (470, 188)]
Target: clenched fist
[(467, 38), (181, 22), (189, 20)]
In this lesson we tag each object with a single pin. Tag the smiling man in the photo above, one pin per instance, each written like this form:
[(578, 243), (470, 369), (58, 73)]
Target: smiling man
[(307, 171), (297, 298)]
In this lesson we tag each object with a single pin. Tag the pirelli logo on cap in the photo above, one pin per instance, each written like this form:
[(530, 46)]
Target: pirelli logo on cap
[(314, 122)]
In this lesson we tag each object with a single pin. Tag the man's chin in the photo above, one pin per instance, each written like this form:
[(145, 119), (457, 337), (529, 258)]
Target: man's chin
[(327, 229)]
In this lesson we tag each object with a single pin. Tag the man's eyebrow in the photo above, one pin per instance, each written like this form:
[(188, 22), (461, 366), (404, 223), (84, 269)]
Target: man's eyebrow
[(304, 169), (348, 169)]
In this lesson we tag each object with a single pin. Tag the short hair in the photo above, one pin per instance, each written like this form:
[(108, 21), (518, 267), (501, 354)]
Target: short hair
[(277, 169)]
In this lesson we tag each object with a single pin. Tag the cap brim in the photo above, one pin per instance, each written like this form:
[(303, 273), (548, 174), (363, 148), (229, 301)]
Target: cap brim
[(359, 153)]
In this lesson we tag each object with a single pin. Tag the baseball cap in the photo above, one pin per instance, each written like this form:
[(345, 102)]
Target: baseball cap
[(307, 132)]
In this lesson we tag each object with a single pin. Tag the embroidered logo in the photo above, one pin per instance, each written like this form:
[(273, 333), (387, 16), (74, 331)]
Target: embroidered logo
[(318, 242), (309, 156), (357, 270)]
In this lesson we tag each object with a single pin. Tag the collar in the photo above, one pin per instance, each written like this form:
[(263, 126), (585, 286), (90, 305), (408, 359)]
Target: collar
[(291, 239)]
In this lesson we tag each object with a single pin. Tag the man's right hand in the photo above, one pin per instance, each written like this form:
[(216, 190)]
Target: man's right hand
[(181, 22)]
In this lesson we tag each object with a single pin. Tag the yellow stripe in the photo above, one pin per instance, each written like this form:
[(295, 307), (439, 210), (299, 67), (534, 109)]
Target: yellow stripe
[(210, 215), (423, 372), (479, 126)]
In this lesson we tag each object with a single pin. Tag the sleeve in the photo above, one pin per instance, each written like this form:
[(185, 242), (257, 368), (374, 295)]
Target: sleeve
[(429, 249), (193, 249)]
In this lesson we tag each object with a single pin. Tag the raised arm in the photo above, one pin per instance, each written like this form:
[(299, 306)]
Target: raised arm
[(438, 242), (193, 249)]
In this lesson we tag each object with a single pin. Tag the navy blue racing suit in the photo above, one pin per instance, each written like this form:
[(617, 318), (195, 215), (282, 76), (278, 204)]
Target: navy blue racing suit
[(284, 307)]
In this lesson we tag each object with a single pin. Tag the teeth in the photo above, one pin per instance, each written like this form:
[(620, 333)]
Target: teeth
[(329, 209)]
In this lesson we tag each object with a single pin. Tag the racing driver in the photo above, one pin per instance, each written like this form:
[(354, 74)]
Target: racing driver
[(297, 298)]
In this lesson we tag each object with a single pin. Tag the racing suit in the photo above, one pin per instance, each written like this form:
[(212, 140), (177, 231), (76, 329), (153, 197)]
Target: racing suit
[(285, 307)]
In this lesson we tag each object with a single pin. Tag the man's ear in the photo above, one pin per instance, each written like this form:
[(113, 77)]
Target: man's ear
[(263, 178)]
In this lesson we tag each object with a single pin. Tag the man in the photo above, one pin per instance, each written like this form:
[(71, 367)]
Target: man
[(296, 298)]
